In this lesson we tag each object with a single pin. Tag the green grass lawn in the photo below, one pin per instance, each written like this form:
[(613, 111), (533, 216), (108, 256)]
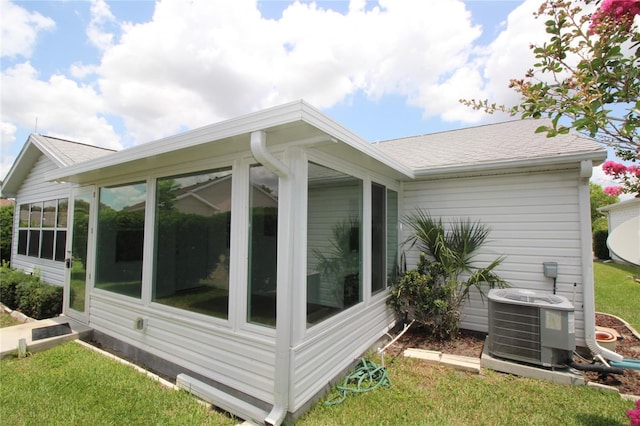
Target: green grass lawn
[(70, 384), (422, 394), (7, 320), (616, 292), (73, 385)]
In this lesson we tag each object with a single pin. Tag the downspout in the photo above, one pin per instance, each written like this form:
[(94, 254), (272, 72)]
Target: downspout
[(264, 157), (283, 291), (588, 292)]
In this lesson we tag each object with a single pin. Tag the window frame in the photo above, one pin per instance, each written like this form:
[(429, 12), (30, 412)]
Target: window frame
[(31, 230)]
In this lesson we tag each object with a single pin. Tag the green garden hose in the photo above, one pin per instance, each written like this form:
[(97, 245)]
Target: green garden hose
[(366, 377)]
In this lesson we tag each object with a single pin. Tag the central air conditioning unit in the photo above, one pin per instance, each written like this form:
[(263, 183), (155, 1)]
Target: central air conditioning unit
[(530, 327)]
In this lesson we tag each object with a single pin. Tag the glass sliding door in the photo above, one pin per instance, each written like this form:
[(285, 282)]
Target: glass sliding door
[(76, 262)]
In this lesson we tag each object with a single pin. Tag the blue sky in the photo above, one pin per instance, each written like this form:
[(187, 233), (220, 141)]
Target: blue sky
[(122, 73)]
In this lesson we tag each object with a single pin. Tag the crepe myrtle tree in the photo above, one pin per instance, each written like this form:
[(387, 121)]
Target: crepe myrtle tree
[(586, 77)]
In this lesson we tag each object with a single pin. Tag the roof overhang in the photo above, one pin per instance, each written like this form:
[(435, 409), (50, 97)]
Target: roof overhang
[(620, 205), (21, 167), (595, 157), (289, 124)]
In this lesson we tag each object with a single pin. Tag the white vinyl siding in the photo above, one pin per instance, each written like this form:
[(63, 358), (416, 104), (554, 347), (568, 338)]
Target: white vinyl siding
[(324, 356), (240, 360), (533, 217), (36, 189)]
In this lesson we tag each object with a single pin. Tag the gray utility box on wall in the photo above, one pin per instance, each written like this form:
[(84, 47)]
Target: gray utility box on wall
[(531, 327)]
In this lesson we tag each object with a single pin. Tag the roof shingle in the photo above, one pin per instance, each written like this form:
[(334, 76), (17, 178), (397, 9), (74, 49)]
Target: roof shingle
[(489, 144)]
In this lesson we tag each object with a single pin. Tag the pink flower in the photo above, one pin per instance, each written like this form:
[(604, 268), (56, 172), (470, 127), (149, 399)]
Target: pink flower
[(634, 170), (613, 191), (612, 168), (621, 11), (634, 415)]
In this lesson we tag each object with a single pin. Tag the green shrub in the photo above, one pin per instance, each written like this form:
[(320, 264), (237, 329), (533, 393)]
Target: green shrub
[(9, 280), (425, 296), (601, 223), (600, 249), (39, 300), (434, 294), (6, 232), (28, 294)]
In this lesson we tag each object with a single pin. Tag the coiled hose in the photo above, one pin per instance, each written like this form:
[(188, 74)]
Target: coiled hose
[(366, 377)]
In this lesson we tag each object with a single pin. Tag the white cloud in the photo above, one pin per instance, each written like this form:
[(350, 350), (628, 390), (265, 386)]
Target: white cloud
[(7, 137), (60, 106), (20, 28), (199, 62), (101, 16)]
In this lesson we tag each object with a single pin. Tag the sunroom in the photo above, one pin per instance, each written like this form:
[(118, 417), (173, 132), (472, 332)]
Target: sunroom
[(252, 255)]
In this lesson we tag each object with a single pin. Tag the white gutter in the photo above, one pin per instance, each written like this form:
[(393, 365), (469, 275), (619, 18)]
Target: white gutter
[(283, 290), (597, 156), (588, 291)]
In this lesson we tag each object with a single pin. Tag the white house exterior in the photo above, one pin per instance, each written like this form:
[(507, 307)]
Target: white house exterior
[(195, 293), (40, 216)]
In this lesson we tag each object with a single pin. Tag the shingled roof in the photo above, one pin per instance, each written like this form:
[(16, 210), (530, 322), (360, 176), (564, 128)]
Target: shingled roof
[(60, 151), (70, 152), (493, 144)]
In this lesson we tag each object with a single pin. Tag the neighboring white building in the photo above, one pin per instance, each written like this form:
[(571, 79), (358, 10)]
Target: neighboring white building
[(193, 291), (618, 214)]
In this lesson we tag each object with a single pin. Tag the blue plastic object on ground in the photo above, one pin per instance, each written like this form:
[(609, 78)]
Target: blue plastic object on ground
[(633, 364)]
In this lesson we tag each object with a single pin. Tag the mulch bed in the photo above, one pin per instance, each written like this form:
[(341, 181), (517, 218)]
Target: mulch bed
[(469, 343)]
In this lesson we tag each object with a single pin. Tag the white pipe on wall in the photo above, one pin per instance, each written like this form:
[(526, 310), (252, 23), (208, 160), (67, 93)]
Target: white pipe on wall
[(588, 291), (283, 290)]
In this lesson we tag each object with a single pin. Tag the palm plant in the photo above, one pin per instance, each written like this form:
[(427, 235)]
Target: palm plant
[(339, 264), (434, 293)]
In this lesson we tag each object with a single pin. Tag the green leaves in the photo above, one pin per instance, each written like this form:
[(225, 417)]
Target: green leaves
[(585, 76), (434, 293)]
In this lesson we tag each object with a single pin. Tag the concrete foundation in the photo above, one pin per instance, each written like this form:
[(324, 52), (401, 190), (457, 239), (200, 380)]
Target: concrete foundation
[(564, 376)]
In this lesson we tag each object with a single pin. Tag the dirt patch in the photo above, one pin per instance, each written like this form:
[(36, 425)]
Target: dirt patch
[(469, 343)]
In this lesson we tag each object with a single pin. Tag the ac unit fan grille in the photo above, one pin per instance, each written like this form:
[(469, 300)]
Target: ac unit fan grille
[(515, 332)]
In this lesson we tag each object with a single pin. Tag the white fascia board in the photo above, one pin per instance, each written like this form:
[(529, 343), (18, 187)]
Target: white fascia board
[(260, 120), (619, 205), (44, 148), (284, 114), (597, 157), (30, 152), (341, 133)]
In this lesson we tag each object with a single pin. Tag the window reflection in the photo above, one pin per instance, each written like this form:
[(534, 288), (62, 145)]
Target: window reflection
[(263, 246), (121, 239), (192, 242), (334, 236)]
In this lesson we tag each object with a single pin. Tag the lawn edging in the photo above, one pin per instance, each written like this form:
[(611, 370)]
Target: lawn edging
[(19, 316), (626, 324)]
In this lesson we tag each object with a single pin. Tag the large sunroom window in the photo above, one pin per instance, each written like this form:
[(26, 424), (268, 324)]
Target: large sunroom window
[(263, 246), (334, 241), (120, 239), (192, 242)]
